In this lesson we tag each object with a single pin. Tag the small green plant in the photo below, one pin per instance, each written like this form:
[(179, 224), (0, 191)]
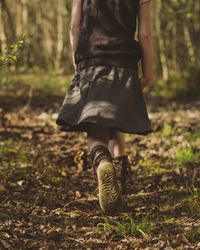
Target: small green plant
[(149, 167), (191, 202), (193, 191), (194, 135), (187, 200), (105, 226), (167, 130), (14, 156), (184, 156), (193, 235), (127, 226), (11, 54)]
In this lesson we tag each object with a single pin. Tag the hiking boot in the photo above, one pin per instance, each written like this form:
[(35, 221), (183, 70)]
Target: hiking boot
[(123, 173), (110, 199)]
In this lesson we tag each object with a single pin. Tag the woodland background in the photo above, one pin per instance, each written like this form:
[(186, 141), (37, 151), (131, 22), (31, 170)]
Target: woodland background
[(48, 195), (176, 33)]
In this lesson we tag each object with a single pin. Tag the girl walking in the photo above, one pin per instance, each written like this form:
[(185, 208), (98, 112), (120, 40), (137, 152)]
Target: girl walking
[(105, 97)]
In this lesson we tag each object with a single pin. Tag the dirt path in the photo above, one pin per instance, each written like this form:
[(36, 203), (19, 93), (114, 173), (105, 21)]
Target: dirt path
[(48, 194)]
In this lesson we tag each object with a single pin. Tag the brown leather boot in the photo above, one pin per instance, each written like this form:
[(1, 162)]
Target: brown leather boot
[(123, 172), (110, 199)]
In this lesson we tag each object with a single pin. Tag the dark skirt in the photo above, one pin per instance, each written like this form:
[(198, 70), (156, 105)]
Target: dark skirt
[(107, 95)]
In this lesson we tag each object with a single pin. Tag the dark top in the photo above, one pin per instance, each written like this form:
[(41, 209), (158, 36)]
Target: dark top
[(106, 34)]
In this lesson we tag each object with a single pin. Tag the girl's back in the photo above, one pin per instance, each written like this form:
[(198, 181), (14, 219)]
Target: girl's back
[(104, 32)]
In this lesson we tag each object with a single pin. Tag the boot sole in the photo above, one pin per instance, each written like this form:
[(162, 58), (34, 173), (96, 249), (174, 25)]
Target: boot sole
[(110, 199)]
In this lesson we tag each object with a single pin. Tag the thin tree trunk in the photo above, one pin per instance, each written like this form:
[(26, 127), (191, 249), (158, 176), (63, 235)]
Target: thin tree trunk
[(2, 31), (24, 14), (18, 23), (9, 18), (188, 43), (196, 12), (163, 59), (25, 29), (59, 49), (174, 45)]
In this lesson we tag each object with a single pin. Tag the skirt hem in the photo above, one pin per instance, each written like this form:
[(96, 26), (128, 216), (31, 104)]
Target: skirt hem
[(82, 127)]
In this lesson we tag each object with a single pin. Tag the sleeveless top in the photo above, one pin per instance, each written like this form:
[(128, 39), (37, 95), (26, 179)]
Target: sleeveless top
[(105, 33)]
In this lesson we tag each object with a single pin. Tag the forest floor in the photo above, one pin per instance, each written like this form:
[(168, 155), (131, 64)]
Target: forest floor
[(48, 196)]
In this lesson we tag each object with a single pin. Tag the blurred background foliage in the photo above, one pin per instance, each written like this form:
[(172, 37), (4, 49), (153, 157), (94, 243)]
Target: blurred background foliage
[(34, 39)]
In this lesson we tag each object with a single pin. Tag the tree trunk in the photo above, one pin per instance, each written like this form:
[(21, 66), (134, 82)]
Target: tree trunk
[(2, 31), (188, 43), (59, 48), (7, 15), (161, 46)]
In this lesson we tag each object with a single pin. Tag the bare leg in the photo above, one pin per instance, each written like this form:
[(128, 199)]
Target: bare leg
[(117, 144), (110, 199), (97, 134)]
